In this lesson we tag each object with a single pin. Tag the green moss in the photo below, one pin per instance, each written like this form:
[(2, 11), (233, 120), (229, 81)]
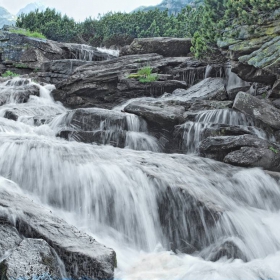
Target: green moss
[(28, 33), (9, 74), (21, 65), (273, 150)]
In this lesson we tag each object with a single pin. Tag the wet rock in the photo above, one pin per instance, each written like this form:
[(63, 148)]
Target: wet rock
[(81, 254), (275, 92), (30, 53), (158, 113), (33, 257), (254, 157), (251, 74), (155, 89), (196, 213), (89, 119), (106, 84), (258, 109), (11, 115), (233, 92), (108, 137), (208, 89), (245, 150), (276, 103), (162, 45), (9, 238), (229, 130), (229, 250), (202, 105), (56, 71)]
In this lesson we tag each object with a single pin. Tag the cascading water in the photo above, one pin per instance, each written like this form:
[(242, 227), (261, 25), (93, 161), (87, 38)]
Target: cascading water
[(106, 127), (221, 221), (192, 132)]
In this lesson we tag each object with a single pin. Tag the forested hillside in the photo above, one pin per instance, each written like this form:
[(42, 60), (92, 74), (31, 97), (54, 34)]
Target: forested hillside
[(204, 23)]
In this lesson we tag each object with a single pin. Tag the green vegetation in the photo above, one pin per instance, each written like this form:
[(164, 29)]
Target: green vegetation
[(9, 74), (273, 150), (218, 16), (205, 22), (144, 75), (21, 65), (110, 29), (28, 33)]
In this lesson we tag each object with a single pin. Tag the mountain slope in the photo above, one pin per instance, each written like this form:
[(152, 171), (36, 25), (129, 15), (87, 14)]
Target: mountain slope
[(6, 18), (173, 6), (31, 8)]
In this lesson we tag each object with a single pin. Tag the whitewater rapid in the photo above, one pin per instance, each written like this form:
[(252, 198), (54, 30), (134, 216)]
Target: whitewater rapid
[(141, 202)]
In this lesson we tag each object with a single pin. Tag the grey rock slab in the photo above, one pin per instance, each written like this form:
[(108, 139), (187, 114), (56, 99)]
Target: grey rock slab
[(257, 109), (162, 45), (158, 113), (209, 89), (33, 257), (81, 254)]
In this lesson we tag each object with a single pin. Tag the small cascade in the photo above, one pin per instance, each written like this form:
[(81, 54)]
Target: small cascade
[(115, 53), (232, 80), (88, 53), (192, 75), (214, 71), (105, 127), (215, 122), (28, 102)]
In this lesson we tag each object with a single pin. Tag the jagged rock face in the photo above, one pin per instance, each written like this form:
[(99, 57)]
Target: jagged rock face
[(254, 50), (168, 47), (23, 54), (36, 258), (163, 115), (82, 255), (106, 84), (245, 150), (259, 109)]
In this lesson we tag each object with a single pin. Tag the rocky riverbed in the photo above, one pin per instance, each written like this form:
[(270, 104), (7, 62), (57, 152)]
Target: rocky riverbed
[(174, 162)]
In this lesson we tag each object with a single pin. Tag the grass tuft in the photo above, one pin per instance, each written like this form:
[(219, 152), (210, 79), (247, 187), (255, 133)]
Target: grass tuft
[(28, 33)]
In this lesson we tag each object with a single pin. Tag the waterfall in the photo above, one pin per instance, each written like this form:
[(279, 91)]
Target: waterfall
[(192, 132), (168, 216), (105, 127)]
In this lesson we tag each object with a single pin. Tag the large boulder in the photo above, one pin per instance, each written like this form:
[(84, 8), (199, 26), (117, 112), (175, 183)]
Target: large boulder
[(82, 255), (94, 125), (25, 54), (106, 84), (208, 89), (33, 257), (162, 45), (245, 151), (254, 50), (157, 112), (56, 71), (258, 109)]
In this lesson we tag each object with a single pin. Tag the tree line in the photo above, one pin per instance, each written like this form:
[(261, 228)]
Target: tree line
[(205, 22)]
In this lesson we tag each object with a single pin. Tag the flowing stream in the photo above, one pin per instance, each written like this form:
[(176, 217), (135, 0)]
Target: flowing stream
[(167, 216)]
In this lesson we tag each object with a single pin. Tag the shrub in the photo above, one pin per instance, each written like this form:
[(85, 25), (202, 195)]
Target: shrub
[(144, 75), (9, 74)]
